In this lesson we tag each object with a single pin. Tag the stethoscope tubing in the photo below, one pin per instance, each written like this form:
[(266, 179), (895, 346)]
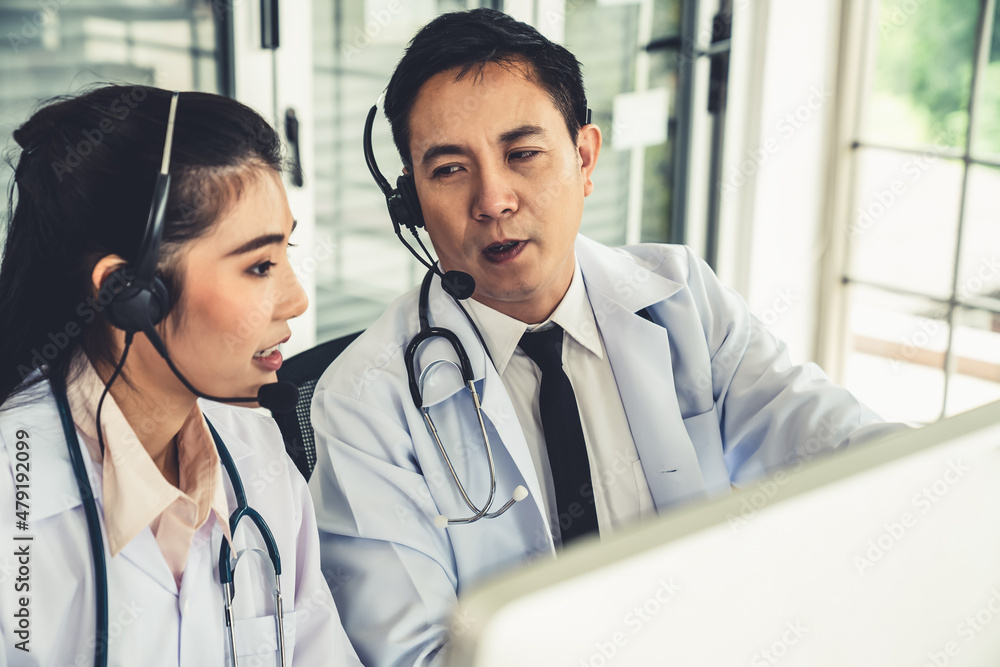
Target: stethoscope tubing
[(93, 522), (427, 332)]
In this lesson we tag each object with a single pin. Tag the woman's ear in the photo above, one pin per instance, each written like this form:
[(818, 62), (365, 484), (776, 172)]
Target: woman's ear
[(103, 270)]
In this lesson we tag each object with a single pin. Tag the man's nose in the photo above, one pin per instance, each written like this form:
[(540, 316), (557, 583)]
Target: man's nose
[(495, 196)]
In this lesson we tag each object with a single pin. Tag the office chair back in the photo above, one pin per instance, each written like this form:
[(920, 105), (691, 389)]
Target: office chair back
[(305, 369)]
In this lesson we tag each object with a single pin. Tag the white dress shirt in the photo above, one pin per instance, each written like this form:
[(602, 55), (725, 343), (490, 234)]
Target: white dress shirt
[(621, 494)]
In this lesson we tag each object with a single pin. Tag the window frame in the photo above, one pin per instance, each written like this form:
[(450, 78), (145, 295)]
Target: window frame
[(856, 66)]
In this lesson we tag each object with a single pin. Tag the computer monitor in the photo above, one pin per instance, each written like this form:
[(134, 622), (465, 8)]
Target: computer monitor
[(887, 554)]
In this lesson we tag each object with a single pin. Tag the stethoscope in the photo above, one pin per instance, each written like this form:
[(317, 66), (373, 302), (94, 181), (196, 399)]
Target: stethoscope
[(226, 566), (426, 333)]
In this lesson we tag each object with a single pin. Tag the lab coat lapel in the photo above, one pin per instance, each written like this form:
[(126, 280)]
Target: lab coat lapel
[(498, 408), (640, 359), (57, 492), (143, 552)]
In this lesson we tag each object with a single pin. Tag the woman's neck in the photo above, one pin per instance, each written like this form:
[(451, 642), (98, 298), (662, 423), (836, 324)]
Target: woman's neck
[(155, 410)]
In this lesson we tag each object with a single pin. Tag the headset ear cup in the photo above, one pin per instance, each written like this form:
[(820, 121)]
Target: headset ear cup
[(116, 292), (407, 189), (159, 302), (135, 307)]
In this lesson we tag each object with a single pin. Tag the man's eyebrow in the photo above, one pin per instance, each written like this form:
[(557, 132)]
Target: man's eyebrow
[(518, 133), (438, 150), (508, 137), (260, 242)]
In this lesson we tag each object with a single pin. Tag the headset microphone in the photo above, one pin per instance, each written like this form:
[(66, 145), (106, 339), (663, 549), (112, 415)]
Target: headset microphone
[(276, 396), (404, 211)]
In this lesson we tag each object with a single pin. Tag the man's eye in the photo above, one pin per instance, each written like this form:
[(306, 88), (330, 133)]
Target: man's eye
[(523, 155), (446, 170), (261, 269)]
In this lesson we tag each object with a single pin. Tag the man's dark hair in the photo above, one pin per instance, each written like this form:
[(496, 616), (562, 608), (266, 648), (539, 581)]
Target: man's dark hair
[(469, 41)]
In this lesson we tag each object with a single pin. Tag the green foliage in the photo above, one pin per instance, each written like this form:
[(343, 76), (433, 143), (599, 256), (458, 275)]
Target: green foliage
[(924, 60)]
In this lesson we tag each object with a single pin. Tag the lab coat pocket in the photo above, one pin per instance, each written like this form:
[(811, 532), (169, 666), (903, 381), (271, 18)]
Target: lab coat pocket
[(646, 507), (258, 637)]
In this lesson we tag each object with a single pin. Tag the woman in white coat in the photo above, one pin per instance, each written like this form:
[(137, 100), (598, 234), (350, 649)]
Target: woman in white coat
[(95, 298)]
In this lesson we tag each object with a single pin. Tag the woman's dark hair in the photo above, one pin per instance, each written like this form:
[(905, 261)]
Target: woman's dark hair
[(469, 41), (84, 181)]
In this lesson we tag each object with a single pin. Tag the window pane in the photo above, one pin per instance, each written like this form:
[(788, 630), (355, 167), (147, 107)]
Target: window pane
[(660, 165), (55, 48), (355, 48), (920, 88), (975, 379), (979, 269), (895, 356), (905, 221), (986, 132), (610, 71)]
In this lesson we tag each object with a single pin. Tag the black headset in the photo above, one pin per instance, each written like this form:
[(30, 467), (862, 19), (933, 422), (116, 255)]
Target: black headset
[(404, 209), (145, 301), (403, 203)]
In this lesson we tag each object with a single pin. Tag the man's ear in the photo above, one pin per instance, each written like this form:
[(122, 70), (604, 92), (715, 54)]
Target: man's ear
[(588, 144), (103, 270)]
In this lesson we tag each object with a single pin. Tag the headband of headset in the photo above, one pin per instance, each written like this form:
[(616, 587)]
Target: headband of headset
[(144, 301)]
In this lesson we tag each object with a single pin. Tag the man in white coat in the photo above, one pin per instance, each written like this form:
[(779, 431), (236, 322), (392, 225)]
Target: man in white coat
[(675, 391)]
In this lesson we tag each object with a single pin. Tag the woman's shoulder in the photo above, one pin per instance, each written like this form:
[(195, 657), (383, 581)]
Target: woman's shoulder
[(251, 436), (252, 426), (33, 451)]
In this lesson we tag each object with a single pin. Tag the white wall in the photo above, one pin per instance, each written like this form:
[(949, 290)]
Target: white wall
[(780, 114)]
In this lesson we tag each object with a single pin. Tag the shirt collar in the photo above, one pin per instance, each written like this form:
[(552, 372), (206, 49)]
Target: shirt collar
[(134, 491), (574, 314)]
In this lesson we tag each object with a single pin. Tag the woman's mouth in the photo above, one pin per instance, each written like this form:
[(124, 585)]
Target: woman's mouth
[(503, 251), (270, 358)]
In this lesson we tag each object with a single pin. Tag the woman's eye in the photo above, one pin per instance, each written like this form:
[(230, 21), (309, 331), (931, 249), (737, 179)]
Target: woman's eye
[(261, 269)]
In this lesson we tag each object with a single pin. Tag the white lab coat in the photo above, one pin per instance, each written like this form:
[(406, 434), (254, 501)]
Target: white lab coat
[(150, 622), (710, 396)]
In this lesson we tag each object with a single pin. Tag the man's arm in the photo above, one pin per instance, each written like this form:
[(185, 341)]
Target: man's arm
[(771, 413)]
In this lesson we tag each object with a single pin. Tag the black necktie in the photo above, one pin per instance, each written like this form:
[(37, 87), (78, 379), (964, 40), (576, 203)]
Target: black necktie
[(564, 441)]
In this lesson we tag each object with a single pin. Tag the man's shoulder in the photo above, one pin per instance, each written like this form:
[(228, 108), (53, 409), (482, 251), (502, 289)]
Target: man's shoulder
[(381, 344), (668, 260)]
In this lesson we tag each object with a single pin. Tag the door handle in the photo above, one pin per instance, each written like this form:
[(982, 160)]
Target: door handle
[(292, 134), (269, 33)]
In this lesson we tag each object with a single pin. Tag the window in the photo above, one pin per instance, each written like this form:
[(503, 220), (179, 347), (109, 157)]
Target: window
[(923, 265), (357, 43), (60, 47)]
